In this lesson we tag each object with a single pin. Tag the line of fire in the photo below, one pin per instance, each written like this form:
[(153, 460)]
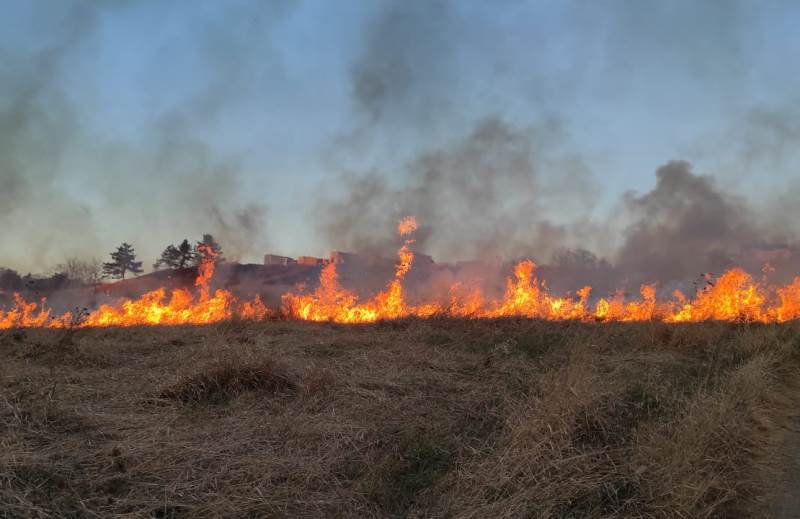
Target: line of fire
[(735, 295)]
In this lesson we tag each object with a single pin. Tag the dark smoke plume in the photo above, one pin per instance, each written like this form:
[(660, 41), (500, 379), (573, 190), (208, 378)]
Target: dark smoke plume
[(486, 197), (685, 226), (483, 200)]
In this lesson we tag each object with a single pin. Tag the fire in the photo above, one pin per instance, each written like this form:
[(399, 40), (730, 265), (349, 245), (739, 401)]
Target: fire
[(789, 307), (525, 296), (734, 296), (407, 225), (152, 308), (31, 315), (331, 302)]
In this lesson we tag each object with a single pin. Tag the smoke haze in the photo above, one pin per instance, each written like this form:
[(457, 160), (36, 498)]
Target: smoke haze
[(64, 189), (622, 141)]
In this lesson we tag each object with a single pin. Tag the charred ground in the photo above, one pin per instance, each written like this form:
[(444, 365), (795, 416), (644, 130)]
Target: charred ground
[(455, 418)]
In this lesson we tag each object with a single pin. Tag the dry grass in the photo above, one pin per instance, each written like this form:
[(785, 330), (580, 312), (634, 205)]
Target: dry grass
[(218, 384), (449, 418)]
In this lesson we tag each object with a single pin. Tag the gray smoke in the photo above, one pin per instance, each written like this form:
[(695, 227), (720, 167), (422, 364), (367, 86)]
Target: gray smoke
[(482, 183), (685, 226), (504, 191), (485, 197), (151, 191), (406, 51), (37, 125)]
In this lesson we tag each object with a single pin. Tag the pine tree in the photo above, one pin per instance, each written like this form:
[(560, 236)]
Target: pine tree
[(123, 260), (187, 256), (177, 257)]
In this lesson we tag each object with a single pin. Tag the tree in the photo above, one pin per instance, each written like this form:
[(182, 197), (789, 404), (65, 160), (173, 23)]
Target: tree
[(177, 257), (209, 242), (122, 261), (57, 281), (577, 258), (87, 272), (10, 279)]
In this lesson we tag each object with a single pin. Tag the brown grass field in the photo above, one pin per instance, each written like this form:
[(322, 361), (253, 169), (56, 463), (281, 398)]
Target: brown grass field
[(439, 418)]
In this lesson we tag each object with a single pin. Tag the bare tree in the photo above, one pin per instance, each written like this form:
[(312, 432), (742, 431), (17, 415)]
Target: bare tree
[(86, 271)]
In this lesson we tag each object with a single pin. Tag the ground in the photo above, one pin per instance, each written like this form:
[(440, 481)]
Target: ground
[(439, 418)]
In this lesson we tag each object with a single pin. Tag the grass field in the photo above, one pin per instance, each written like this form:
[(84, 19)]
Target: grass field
[(440, 418)]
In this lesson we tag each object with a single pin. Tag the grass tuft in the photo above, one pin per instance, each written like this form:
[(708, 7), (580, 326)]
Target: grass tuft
[(222, 383)]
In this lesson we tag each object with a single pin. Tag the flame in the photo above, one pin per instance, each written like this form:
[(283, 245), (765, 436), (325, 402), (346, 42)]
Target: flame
[(734, 296), (407, 225), (331, 302), (152, 308), (789, 307), (31, 315)]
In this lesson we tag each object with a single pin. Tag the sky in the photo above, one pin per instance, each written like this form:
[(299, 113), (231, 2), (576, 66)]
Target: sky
[(294, 127)]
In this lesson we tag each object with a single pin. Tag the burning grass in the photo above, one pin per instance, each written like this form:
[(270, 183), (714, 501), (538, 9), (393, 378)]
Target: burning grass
[(733, 297), (410, 418)]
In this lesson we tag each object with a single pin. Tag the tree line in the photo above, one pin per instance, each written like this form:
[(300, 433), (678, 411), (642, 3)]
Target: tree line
[(183, 255), (122, 262)]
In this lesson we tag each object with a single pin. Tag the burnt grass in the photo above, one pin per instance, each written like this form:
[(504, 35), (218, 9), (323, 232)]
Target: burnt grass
[(438, 418)]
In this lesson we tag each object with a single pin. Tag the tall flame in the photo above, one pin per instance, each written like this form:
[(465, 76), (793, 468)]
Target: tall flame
[(330, 302)]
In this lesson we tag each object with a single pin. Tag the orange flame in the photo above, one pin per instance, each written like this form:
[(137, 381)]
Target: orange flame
[(734, 296), (152, 308), (331, 302), (407, 225)]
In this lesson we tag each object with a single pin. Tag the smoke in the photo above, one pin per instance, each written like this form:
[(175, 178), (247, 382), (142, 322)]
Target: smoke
[(486, 192), (685, 226), (762, 139), (188, 189), (484, 197), (243, 230), (503, 190), (707, 40), (66, 190), (470, 118), (37, 124), (406, 52)]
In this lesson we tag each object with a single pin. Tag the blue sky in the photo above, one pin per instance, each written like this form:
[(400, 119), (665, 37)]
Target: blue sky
[(260, 97)]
